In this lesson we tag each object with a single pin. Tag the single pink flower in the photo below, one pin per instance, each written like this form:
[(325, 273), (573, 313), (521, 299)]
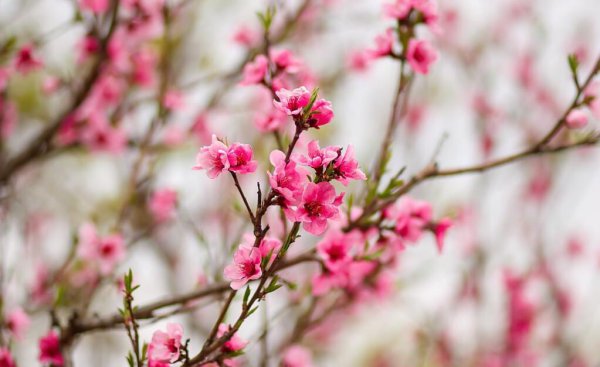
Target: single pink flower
[(297, 356), (320, 114), (106, 252), (346, 167), (420, 55), (246, 36), (292, 102), (398, 9), (287, 179), (440, 230), (429, 11), (335, 250), (50, 351), (410, 217), (274, 120), (162, 204), (318, 158), (245, 266), (17, 322), (6, 359), (577, 119), (319, 204), (384, 44), (359, 60), (165, 347), (255, 71), (26, 60), (217, 158), (285, 60), (235, 343), (95, 6), (240, 158)]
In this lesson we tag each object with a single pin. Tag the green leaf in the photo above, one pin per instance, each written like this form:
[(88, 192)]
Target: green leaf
[(252, 311), (246, 295)]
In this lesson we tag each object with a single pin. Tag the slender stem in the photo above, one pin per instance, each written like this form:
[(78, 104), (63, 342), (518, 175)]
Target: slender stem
[(239, 188)]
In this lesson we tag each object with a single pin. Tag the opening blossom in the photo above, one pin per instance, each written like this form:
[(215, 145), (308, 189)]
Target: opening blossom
[(17, 322), (410, 216), (420, 55), (26, 60), (294, 102), (287, 179), (106, 252), (165, 347), (50, 352), (245, 266), (255, 71), (235, 343), (319, 204), (217, 158), (577, 119)]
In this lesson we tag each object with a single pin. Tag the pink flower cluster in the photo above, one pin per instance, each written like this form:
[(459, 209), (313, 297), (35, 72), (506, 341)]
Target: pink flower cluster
[(218, 157), (419, 53), (50, 352)]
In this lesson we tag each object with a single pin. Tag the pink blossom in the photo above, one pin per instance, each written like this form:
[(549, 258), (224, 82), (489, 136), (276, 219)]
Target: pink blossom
[(235, 343), (384, 44), (292, 102), (165, 347), (285, 60), (246, 36), (320, 114), (335, 250), (255, 71), (429, 11), (26, 60), (217, 158), (162, 204), (576, 119), (240, 158), (6, 359), (245, 266), (359, 61), (95, 6), (346, 167), (440, 230), (287, 179), (50, 351), (106, 251), (410, 217), (174, 100), (99, 136), (318, 158), (398, 9), (18, 322), (87, 47), (420, 55), (272, 121), (319, 204), (297, 356)]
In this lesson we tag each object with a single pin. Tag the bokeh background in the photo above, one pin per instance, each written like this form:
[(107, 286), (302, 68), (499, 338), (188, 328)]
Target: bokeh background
[(503, 217)]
